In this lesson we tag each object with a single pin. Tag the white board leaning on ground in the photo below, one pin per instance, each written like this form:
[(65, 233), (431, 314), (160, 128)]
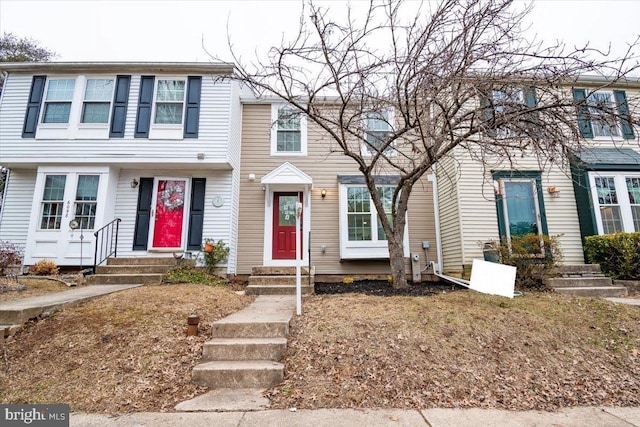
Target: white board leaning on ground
[(492, 278)]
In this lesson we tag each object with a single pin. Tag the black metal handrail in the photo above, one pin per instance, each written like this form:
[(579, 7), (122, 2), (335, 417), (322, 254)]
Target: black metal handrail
[(106, 243)]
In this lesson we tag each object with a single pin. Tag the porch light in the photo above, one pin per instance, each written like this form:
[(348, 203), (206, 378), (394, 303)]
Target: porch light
[(134, 183), (323, 193), (554, 191)]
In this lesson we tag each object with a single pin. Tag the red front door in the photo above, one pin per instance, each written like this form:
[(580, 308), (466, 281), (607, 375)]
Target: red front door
[(284, 225), (169, 213)]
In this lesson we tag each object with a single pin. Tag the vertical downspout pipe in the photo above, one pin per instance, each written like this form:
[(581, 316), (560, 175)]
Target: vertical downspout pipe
[(436, 214)]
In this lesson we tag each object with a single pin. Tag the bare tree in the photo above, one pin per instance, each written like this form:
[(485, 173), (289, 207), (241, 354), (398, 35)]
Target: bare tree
[(462, 74)]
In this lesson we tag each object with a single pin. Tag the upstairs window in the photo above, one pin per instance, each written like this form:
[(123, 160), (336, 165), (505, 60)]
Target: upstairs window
[(57, 104), (97, 101), (288, 131), (170, 102), (601, 109), (377, 132)]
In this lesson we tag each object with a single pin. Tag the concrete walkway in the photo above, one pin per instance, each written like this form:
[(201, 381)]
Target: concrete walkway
[(17, 312), (628, 301), (578, 417)]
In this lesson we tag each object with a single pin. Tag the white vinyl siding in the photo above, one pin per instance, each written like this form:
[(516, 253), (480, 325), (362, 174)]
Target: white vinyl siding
[(14, 216)]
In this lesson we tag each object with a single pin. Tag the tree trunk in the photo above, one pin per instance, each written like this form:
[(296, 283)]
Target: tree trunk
[(396, 260)]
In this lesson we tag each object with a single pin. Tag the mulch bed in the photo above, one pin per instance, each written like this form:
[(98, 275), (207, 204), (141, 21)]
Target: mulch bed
[(383, 288)]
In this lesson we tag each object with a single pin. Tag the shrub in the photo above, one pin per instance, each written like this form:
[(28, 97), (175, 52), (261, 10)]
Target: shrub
[(44, 267), (218, 255), (347, 280), (10, 255), (533, 255), (185, 273), (618, 254)]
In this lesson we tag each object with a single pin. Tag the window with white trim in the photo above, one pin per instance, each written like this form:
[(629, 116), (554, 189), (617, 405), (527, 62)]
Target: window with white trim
[(57, 100), (52, 202), (97, 101), (288, 131), (362, 235), (86, 200), (377, 130), (169, 101), (616, 197), (602, 108)]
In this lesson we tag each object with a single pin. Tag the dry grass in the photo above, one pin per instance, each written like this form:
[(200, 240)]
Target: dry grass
[(119, 353), (461, 349)]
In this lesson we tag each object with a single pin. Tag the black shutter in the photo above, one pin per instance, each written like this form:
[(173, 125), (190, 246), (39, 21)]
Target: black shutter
[(119, 111), (145, 101), (143, 214), (192, 109), (196, 214), (623, 110), (33, 107), (582, 112)]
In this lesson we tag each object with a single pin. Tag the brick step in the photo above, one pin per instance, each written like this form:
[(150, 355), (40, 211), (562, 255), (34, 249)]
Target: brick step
[(264, 329), (170, 261), (265, 270), (124, 279), (579, 282), (132, 269), (277, 289), (244, 349), (238, 374), (595, 291)]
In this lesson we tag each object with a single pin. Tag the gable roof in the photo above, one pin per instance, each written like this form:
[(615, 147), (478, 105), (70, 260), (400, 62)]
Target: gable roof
[(286, 173)]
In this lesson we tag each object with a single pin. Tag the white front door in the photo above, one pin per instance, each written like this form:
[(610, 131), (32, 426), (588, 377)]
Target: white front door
[(63, 219), (168, 225)]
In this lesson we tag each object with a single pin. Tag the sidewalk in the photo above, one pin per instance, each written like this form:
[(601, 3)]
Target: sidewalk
[(570, 417), (17, 312)]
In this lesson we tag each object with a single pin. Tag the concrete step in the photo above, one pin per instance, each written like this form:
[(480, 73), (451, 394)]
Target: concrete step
[(278, 280), (579, 282), (595, 291), (132, 269), (238, 374), (249, 329), (277, 289), (266, 270), (577, 269), (170, 261), (124, 279), (244, 349)]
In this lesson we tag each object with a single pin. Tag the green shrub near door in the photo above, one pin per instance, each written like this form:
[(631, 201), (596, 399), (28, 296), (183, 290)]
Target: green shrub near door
[(618, 254)]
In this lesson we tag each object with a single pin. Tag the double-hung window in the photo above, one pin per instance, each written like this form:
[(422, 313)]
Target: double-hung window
[(170, 96), (377, 131), (52, 202), (288, 132), (616, 196), (601, 109), (96, 107), (362, 234), (58, 99), (86, 200)]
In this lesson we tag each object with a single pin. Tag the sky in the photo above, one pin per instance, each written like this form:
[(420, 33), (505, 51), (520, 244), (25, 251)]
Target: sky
[(180, 31)]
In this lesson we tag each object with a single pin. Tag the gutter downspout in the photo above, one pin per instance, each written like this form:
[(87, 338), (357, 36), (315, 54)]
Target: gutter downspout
[(437, 267)]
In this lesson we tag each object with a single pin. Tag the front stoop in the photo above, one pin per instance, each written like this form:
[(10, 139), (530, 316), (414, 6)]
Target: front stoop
[(267, 280), (584, 280), (246, 346), (145, 271)]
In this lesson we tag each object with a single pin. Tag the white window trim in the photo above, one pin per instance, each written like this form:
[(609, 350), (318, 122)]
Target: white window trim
[(614, 105), (275, 108), (390, 151), (74, 129), (536, 203), (167, 131), (623, 198), (373, 249)]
